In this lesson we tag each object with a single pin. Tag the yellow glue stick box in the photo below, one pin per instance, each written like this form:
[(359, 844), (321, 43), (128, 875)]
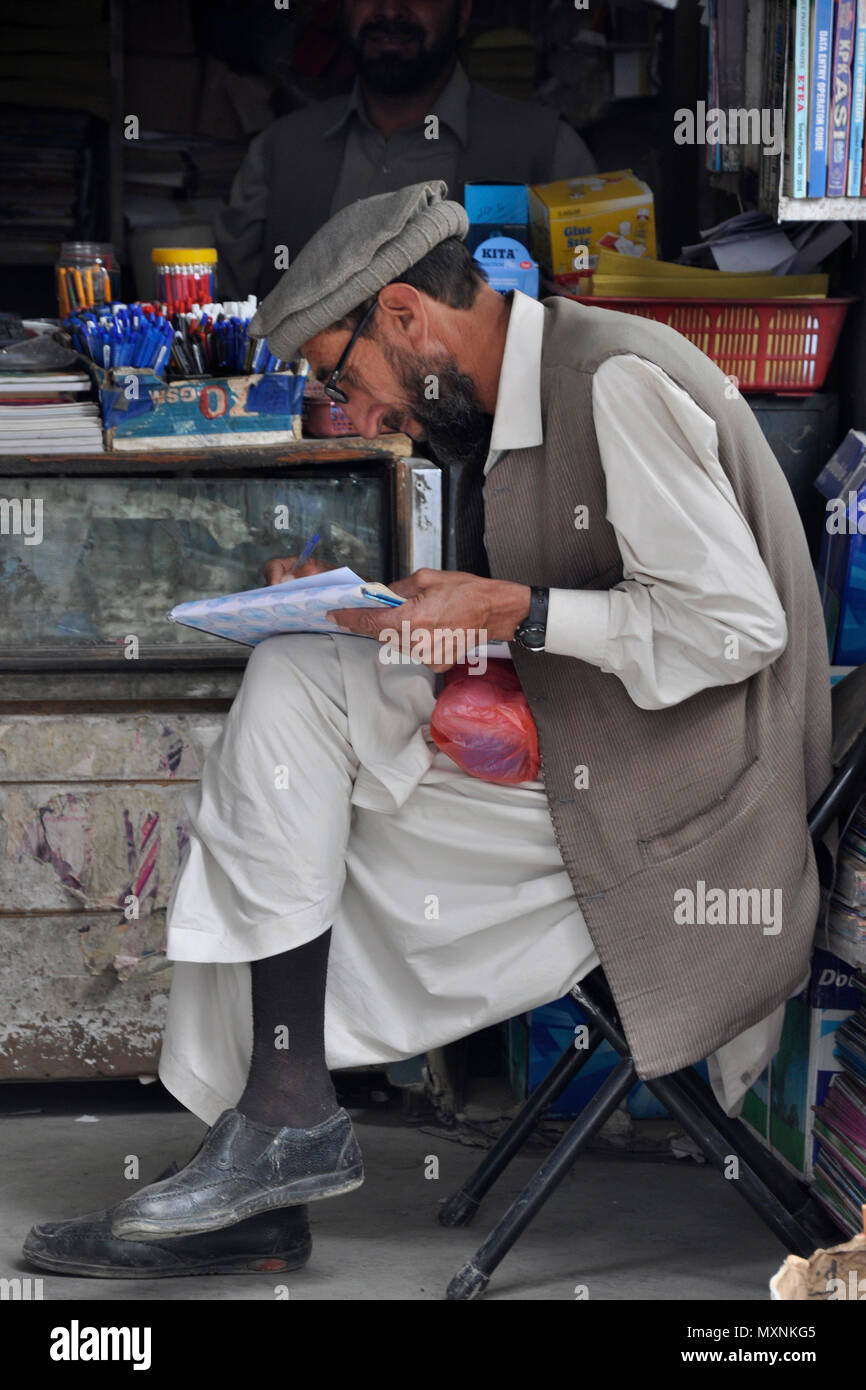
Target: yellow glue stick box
[(614, 211)]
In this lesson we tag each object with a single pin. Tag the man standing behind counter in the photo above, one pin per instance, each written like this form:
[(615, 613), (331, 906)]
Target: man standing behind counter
[(378, 138)]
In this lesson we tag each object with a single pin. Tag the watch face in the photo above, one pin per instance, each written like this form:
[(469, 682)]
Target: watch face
[(531, 636)]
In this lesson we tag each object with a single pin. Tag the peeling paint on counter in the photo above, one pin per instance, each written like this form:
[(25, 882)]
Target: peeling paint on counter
[(62, 1015), (92, 832)]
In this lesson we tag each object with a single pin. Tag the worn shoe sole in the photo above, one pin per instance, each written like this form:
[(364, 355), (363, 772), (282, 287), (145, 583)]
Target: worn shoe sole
[(293, 1194), (283, 1262)]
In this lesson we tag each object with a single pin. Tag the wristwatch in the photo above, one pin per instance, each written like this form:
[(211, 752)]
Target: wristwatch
[(531, 633)]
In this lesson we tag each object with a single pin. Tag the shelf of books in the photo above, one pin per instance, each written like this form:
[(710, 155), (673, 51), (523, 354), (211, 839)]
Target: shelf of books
[(815, 72)]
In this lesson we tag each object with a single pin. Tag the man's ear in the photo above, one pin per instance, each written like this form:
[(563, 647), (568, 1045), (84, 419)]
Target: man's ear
[(407, 316)]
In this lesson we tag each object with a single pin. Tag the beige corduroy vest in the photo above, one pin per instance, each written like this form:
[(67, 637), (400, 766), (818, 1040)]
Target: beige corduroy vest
[(710, 794)]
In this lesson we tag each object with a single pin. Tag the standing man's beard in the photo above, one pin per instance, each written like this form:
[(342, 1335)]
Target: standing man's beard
[(392, 74), (458, 429)]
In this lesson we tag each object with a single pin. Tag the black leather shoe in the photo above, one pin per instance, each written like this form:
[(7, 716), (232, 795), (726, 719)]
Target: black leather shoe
[(268, 1244), (241, 1169)]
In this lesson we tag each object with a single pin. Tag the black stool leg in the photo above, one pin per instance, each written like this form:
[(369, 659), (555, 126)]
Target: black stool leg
[(474, 1277), (792, 1193), (748, 1183), (461, 1206), (706, 1132)]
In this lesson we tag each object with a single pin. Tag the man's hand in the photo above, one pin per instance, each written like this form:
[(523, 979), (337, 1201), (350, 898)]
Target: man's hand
[(278, 570), (440, 601)]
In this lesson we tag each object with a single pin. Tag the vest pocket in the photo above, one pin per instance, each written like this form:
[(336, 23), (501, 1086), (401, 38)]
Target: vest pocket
[(743, 792)]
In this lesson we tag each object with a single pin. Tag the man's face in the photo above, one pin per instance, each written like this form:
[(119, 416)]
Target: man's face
[(426, 396), (403, 46)]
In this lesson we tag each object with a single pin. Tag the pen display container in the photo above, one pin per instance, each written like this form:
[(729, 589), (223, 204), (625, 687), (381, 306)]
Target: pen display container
[(86, 274), (185, 275), (141, 411)]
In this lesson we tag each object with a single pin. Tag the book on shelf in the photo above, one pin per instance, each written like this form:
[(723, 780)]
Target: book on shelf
[(840, 106), (821, 48)]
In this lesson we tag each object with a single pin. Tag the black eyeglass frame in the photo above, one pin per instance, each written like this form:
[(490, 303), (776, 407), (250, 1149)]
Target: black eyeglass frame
[(332, 390)]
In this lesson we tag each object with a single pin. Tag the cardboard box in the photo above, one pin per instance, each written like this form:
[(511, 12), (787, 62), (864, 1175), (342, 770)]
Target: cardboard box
[(496, 209), (842, 559), (780, 1105), (613, 210), (140, 410)]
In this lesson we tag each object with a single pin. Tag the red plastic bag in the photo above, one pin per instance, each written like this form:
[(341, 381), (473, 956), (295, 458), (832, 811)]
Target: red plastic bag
[(484, 723)]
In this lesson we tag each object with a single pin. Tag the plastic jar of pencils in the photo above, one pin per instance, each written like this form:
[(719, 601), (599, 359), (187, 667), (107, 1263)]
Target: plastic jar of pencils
[(86, 274), (185, 275)]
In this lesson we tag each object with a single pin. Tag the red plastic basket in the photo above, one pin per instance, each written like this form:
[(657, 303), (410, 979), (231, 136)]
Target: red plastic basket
[(781, 345)]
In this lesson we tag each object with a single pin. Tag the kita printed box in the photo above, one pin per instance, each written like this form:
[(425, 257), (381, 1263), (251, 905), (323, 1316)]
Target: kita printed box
[(842, 560), (496, 209), (507, 265), (614, 211), (140, 410)]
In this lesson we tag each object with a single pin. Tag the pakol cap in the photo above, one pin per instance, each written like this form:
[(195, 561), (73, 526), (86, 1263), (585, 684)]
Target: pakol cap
[(353, 256)]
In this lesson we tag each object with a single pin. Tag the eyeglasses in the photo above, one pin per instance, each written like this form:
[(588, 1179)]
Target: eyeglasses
[(332, 390)]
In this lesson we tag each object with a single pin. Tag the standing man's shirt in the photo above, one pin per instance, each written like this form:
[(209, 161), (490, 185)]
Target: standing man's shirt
[(364, 163), (372, 164), (692, 569)]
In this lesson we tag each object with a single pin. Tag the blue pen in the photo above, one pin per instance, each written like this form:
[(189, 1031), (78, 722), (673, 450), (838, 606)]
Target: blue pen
[(382, 598), (306, 552), (146, 349), (148, 346), (160, 357), (156, 346)]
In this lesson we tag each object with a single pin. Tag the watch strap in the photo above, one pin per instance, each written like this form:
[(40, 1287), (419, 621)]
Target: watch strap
[(538, 607)]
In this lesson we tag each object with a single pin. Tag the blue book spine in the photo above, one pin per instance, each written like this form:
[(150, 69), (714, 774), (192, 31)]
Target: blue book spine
[(801, 98), (858, 103), (822, 35), (840, 109)]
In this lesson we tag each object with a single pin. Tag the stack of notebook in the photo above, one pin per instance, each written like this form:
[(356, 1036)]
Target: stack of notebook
[(840, 1126), (48, 413), (847, 917)]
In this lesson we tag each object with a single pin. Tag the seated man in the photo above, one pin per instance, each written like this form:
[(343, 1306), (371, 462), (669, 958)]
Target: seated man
[(350, 896)]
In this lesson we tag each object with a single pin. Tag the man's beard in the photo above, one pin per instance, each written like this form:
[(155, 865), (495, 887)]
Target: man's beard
[(456, 426), (389, 74)]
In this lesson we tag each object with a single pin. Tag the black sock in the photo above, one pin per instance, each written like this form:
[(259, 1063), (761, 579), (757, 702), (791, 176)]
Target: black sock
[(288, 1082)]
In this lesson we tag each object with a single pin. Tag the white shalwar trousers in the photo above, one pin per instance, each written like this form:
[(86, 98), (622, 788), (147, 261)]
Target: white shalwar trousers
[(325, 804)]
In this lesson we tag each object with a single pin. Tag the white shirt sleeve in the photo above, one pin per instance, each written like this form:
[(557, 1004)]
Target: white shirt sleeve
[(696, 606)]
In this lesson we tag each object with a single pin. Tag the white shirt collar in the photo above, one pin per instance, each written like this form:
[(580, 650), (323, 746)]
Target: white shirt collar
[(517, 419)]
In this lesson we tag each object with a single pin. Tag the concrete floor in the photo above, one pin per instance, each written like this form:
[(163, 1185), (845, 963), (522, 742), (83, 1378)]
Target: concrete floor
[(628, 1226)]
